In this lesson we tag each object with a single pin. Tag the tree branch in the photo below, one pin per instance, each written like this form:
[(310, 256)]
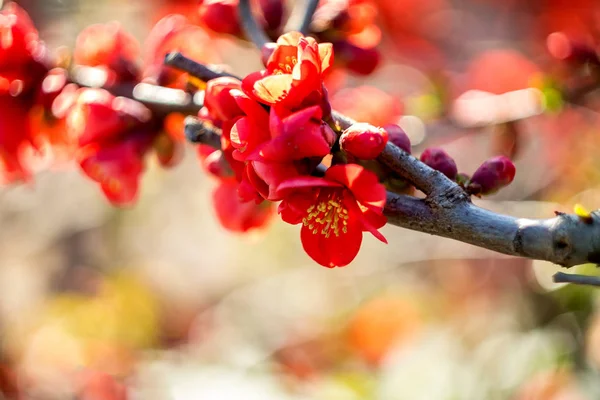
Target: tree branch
[(566, 239), (251, 28), (198, 131), (309, 11), (561, 277), (447, 211), (160, 100), (203, 72)]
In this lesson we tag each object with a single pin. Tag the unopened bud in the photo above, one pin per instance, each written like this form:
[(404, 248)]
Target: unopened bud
[(492, 175), (439, 160), (397, 136), (357, 59), (364, 141)]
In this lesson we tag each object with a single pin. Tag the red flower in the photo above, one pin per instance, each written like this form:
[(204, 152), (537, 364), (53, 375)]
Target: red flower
[(236, 215), (276, 147), (334, 211), (18, 35), (14, 138), (116, 168), (294, 74), (98, 116), (110, 46)]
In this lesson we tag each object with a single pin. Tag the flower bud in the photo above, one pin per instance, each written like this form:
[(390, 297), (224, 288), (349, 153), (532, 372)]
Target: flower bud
[(439, 160), (492, 175), (397, 136), (364, 141), (221, 16), (360, 60)]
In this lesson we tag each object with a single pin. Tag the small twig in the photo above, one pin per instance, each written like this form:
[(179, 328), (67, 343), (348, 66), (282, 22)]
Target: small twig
[(198, 131), (160, 100), (561, 277), (309, 12), (250, 26), (203, 72)]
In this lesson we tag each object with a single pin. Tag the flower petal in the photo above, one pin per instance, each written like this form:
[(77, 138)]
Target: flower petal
[(363, 184), (332, 251), (303, 182)]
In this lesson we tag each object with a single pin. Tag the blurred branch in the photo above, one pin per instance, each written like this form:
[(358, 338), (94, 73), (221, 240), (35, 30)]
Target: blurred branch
[(250, 26), (160, 100), (307, 16), (198, 131), (561, 277), (203, 72)]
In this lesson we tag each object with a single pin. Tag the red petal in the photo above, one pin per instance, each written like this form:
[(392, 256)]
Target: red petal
[(363, 184), (303, 182), (272, 89), (334, 251)]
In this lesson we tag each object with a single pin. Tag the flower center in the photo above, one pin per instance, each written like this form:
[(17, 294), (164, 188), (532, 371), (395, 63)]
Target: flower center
[(327, 215), (287, 66)]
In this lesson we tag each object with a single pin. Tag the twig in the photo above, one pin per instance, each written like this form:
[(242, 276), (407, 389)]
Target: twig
[(198, 131), (561, 277), (309, 11), (203, 72), (160, 100), (251, 28)]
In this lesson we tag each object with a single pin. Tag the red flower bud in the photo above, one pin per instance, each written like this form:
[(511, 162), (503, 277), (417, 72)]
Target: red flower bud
[(397, 136), (364, 141), (439, 160), (357, 59), (221, 16), (492, 175)]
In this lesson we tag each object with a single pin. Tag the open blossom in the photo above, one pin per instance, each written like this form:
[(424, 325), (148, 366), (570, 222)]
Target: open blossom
[(334, 211), (277, 146), (294, 74)]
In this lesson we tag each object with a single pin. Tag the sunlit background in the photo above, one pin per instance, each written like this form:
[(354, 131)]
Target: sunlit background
[(159, 302)]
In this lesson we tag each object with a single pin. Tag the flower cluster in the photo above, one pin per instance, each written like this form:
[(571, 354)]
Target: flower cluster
[(274, 137), (277, 148), (44, 108)]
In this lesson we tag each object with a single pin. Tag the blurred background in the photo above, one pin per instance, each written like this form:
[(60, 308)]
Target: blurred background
[(158, 301)]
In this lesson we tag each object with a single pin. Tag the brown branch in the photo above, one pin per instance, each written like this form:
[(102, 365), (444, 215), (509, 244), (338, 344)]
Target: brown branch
[(198, 131), (201, 71), (250, 26)]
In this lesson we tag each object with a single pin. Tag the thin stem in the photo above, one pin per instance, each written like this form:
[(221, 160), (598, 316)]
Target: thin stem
[(160, 100), (309, 12), (250, 26), (198, 131), (561, 277), (203, 72)]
